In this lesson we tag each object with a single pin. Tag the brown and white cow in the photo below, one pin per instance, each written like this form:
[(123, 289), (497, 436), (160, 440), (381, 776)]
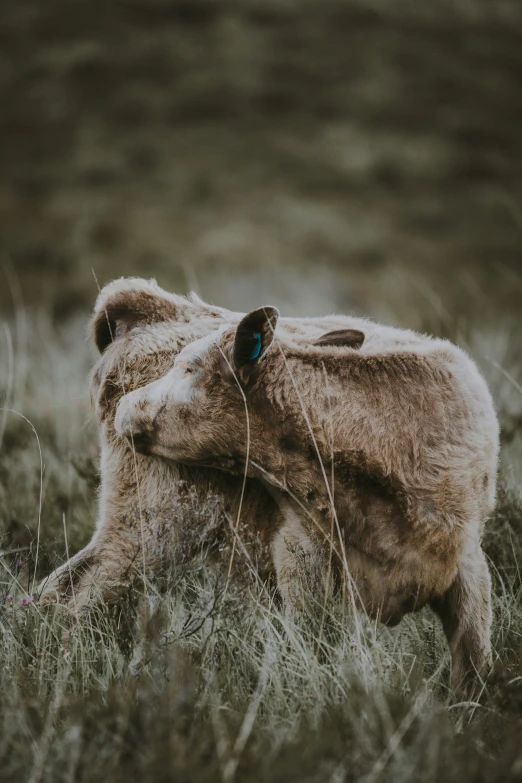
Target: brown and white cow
[(385, 445)]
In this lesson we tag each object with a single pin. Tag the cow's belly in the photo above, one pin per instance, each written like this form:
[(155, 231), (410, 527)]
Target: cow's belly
[(389, 591), (398, 562)]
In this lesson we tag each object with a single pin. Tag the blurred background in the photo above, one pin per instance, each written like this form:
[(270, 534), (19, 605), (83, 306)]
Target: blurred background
[(343, 155)]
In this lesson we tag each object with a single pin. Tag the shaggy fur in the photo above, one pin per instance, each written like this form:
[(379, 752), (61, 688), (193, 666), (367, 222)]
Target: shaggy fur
[(384, 442), (152, 512)]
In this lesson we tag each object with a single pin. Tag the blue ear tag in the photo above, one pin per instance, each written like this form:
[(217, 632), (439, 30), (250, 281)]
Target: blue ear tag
[(257, 347)]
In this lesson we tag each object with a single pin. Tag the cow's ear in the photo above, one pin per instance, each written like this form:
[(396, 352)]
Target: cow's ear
[(254, 335), (348, 338), (111, 323), (126, 303)]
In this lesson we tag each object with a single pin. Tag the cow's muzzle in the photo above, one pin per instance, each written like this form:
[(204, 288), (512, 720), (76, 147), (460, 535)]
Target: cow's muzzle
[(137, 423)]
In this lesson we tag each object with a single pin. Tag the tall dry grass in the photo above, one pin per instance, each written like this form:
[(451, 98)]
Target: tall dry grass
[(193, 682)]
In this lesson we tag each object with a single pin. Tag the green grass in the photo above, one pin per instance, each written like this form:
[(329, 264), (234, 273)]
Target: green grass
[(189, 683)]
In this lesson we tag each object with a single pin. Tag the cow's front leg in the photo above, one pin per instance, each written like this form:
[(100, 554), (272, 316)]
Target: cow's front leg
[(61, 584), (298, 563), (102, 571)]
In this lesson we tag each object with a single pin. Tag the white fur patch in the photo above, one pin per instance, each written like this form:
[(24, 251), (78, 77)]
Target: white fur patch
[(179, 385), (199, 348), (176, 386)]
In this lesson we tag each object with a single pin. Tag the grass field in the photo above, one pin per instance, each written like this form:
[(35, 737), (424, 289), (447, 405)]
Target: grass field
[(190, 684)]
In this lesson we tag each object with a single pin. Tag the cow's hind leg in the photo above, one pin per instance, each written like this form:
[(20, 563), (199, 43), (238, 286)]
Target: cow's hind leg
[(465, 611)]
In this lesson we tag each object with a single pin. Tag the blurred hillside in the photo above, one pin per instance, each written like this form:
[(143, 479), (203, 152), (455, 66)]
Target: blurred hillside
[(256, 149)]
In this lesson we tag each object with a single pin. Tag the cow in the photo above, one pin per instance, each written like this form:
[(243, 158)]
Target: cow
[(381, 445)]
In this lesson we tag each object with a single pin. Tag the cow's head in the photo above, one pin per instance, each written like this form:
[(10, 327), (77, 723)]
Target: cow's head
[(227, 396), (138, 329)]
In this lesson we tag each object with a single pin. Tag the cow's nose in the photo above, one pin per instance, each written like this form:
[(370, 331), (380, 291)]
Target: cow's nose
[(141, 440), (139, 430)]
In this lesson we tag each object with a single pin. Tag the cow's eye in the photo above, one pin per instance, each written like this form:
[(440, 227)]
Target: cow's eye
[(184, 366)]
